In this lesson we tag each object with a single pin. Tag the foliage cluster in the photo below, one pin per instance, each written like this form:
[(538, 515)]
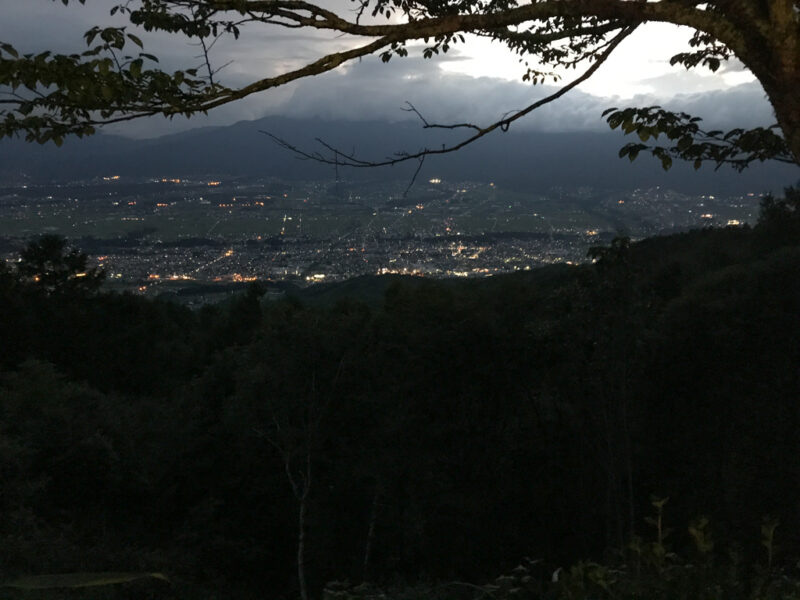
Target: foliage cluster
[(737, 147), (439, 436), (640, 570)]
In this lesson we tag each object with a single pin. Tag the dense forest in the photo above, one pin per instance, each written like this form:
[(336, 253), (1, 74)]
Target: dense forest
[(450, 432)]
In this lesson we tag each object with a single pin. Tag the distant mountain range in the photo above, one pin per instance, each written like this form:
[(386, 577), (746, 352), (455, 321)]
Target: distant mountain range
[(526, 160)]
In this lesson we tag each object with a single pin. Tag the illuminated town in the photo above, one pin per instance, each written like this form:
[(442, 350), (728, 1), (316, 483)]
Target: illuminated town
[(152, 234)]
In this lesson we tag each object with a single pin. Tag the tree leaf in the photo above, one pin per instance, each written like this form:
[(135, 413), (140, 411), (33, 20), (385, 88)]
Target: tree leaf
[(136, 68), (135, 40)]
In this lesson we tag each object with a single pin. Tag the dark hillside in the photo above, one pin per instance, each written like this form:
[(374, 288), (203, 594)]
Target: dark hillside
[(430, 431), (519, 160)]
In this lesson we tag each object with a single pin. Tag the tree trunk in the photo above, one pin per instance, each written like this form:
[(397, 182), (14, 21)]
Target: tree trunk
[(301, 526), (780, 77), (787, 109), (775, 61), (301, 545), (373, 517)]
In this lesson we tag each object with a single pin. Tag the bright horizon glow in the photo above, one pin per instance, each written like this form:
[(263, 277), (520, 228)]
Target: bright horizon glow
[(639, 66)]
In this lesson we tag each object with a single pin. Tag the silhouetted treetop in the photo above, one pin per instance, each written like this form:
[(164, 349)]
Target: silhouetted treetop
[(49, 265)]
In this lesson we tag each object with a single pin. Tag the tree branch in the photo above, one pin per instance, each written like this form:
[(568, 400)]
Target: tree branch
[(94, 88), (341, 158), (622, 10)]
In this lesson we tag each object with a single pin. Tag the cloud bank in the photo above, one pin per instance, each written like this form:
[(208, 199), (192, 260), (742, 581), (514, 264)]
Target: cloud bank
[(373, 91)]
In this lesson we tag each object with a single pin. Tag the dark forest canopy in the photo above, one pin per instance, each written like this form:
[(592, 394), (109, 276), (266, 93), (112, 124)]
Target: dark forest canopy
[(440, 435), (49, 96)]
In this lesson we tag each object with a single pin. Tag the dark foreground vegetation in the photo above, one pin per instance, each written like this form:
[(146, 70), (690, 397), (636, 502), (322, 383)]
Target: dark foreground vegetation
[(422, 444)]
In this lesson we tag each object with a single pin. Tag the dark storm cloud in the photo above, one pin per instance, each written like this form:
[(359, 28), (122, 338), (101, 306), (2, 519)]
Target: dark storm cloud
[(46, 25), (34, 26)]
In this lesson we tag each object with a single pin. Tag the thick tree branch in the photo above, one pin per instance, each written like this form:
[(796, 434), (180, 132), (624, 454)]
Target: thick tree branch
[(622, 10), (322, 65)]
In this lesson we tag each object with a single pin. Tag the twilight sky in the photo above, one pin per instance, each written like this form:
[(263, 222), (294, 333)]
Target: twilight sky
[(479, 81)]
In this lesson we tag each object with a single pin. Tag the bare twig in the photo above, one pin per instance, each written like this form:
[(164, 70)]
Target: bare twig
[(414, 176), (425, 125)]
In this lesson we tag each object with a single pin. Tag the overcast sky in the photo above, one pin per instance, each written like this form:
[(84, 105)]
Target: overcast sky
[(478, 81)]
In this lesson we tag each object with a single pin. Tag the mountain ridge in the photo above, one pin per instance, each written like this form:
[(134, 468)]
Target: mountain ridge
[(528, 160)]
